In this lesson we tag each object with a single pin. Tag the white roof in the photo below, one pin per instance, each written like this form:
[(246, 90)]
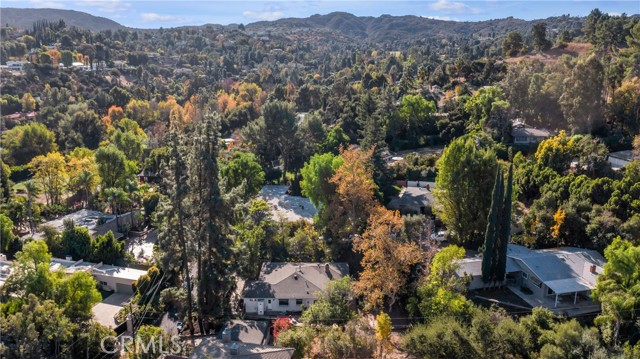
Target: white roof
[(283, 205), (568, 285), (70, 267), (118, 272)]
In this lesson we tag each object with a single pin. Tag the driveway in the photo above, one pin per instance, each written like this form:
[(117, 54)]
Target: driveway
[(104, 311)]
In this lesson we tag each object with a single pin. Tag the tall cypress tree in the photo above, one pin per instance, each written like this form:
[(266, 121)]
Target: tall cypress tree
[(489, 258), (505, 230), (497, 235)]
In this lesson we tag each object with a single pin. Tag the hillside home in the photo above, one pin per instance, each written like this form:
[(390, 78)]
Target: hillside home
[(96, 222), (109, 277), (16, 65), (554, 278), (413, 200), (524, 134), (620, 159), (289, 287)]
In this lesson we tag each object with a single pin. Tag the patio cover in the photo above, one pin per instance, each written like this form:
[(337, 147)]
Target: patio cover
[(568, 285)]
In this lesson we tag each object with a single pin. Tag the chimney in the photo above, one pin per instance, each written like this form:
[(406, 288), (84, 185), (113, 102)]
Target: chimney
[(226, 335), (295, 276), (592, 269), (326, 268)]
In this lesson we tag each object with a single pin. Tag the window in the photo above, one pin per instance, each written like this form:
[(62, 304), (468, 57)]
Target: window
[(537, 282), (298, 301), (550, 291), (283, 302), (103, 283), (525, 275), (269, 301)]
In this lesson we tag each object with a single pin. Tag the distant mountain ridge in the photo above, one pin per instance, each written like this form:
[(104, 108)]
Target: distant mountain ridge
[(24, 18), (388, 28), (385, 28)]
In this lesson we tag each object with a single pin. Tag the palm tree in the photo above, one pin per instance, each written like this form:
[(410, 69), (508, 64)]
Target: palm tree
[(84, 182), (135, 194), (32, 192), (115, 197)]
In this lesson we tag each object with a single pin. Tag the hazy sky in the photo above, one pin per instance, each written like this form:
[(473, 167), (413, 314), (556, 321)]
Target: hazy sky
[(165, 13)]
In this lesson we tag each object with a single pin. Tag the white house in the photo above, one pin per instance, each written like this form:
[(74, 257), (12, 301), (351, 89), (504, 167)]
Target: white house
[(16, 65), (110, 278), (289, 287)]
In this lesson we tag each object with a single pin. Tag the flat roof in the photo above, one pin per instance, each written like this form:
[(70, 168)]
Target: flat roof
[(91, 220), (119, 272), (568, 285), (284, 205)]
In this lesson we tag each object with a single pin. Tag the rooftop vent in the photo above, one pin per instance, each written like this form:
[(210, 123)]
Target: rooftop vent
[(295, 276), (69, 258), (234, 348)]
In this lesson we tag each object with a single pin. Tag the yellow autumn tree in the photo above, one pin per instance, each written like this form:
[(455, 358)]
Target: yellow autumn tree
[(383, 333), (225, 102), (50, 172), (165, 108), (83, 173), (556, 152), (28, 102), (386, 260), (248, 93), (354, 200), (558, 220), (114, 115)]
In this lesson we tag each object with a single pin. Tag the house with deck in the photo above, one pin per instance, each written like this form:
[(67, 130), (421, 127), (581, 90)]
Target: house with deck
[(560, 279), (289, 287)]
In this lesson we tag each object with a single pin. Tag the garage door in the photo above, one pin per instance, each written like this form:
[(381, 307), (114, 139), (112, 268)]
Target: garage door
[(124, 288)]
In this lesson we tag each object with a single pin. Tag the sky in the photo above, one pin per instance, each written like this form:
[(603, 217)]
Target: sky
[(171, 13)]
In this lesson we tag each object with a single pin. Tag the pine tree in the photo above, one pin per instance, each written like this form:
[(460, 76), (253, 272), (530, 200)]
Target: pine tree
[(173, 230), (211, 221), (491, 234)]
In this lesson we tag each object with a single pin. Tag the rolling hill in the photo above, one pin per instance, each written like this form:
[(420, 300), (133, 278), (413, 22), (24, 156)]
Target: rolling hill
[(24, 18)]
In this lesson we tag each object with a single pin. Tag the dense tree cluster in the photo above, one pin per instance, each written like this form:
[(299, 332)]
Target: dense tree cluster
[(206, 116)]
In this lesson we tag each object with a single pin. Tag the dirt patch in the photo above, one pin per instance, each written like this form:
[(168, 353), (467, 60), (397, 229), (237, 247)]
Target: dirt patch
[(551, 56)]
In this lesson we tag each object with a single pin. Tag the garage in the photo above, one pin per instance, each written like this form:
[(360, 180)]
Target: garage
[(124, 288)]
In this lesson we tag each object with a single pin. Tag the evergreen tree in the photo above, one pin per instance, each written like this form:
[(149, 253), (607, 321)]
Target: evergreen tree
[(494, 258), (505, 230), (211, 221), (174, 236), (491, 237)]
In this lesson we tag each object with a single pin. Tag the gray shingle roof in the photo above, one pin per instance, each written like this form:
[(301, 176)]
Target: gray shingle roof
[(293, 280), (523, 130)]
